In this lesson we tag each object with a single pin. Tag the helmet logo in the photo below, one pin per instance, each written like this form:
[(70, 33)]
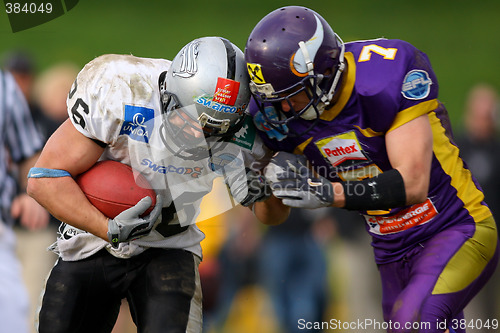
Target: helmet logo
[(188, 66), (255, 72), (299, 60), (226, 91)]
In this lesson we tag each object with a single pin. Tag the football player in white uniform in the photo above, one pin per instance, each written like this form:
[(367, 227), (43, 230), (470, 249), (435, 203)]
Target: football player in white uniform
[(181, 124)]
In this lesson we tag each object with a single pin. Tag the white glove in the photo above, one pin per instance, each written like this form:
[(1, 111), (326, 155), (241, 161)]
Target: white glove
[(248, 187), (128, 225), (297, 185)]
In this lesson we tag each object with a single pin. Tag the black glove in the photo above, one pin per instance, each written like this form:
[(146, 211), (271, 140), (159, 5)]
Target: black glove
[(297, 185)]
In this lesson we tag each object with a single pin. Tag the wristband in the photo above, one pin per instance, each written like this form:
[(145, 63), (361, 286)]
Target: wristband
[(47, 173), (384, 191)]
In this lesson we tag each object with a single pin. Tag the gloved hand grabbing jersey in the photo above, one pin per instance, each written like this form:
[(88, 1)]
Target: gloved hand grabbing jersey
[(297, 185), (128, 225)]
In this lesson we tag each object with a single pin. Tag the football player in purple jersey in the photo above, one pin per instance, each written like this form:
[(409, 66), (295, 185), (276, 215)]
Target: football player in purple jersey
[(359, 126)]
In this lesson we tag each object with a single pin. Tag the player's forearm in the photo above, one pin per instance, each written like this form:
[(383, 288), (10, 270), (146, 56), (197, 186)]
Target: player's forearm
[(64, 200), (271, 211), (416, 182)]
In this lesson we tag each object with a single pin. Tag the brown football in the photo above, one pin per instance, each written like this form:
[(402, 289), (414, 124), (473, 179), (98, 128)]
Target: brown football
[(112, 187)]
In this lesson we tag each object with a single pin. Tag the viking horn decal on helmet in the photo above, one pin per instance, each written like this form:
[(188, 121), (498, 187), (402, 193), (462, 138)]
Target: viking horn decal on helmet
[(301, 62)]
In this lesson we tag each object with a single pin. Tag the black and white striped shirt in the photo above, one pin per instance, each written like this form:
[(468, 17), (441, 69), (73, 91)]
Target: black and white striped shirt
[(19, 139)]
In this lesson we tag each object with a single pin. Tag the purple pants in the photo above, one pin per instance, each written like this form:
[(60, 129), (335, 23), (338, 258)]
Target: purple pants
[(428, 290)]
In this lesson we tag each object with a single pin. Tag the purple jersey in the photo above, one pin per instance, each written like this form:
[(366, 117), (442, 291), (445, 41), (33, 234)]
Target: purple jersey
[(387, 84)]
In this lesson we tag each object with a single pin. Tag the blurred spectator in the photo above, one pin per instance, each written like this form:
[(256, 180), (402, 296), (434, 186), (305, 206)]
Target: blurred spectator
[(236, 262), (353, 278), (214, 225), (479, 146), (313, 267), (293, 271), (50, 91), (21, 64), (19, 150), (46, 96), (45, 92), (22, 67)]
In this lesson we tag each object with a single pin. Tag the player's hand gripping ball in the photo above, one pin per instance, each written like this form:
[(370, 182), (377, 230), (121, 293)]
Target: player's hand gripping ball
[(125, 196)]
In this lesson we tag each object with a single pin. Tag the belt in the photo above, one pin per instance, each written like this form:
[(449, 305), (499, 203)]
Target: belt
[(164, 227)]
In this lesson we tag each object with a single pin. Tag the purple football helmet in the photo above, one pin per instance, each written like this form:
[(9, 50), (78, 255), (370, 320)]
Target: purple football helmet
[(291, 50)]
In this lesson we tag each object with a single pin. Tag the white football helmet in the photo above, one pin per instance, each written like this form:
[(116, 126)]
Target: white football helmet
[(204, 96)]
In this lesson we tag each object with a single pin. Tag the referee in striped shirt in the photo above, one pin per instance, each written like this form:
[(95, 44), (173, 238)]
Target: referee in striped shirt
[(20, 143)]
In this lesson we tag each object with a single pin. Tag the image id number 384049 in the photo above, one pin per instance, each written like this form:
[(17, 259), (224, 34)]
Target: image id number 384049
[(28, 8), (475, 324)]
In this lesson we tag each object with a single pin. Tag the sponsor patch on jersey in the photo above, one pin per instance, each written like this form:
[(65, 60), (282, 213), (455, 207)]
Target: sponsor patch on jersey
[(245, 137), (342, 150), (255, 72), (408, 218), (193, 171), (416, 84), (138, 123), (226, 91), (225, 163)]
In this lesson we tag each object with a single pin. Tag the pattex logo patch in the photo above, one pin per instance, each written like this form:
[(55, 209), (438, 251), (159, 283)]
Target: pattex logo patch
[(342, 150)]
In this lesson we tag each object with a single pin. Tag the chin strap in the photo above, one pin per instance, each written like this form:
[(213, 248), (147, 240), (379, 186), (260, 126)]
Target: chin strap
[(326, 99), (309, 65), (311, 112), (307, 58)]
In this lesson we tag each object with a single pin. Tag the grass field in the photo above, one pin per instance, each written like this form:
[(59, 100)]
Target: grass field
[(460, 37)]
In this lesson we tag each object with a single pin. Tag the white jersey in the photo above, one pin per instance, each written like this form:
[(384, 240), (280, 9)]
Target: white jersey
[(116, 100)]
